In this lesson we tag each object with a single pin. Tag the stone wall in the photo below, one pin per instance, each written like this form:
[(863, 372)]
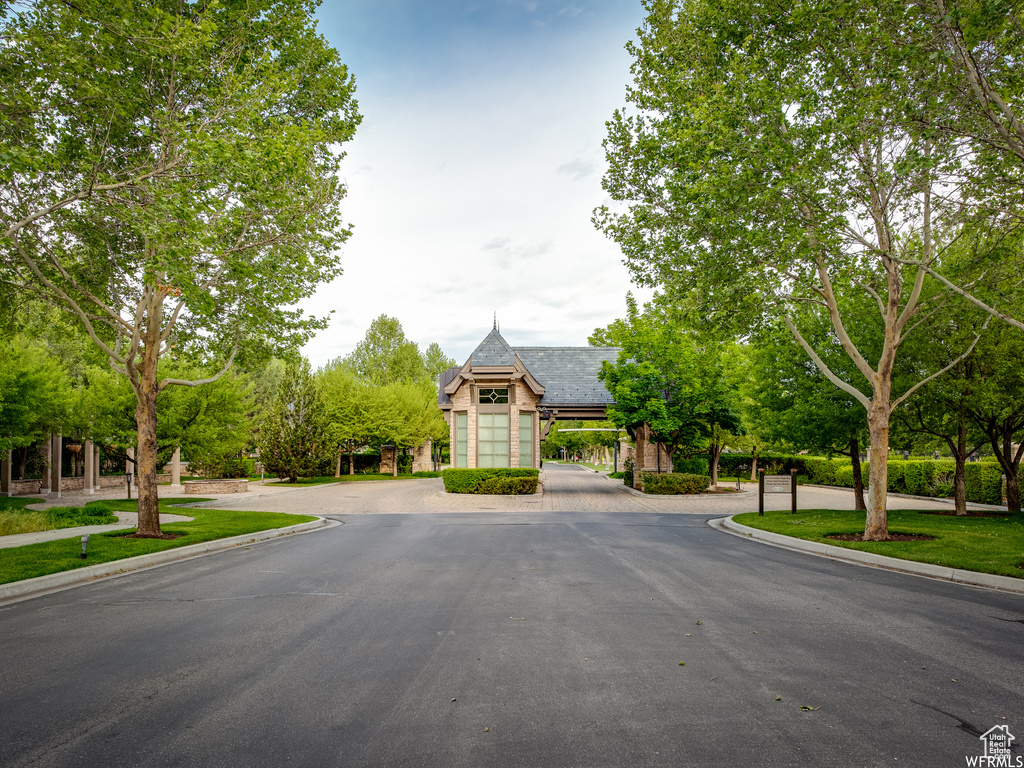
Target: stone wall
[(33, 487), (213, 487)]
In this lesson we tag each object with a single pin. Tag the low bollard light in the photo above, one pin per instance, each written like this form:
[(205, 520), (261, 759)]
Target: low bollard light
[(85, 543)]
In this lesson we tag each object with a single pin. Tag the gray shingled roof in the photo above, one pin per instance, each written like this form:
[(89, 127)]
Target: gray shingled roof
[(569, 374), (493, 350)]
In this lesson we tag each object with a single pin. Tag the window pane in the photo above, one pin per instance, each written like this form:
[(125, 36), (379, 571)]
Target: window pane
[(461, 442), (525, 439), (492, 440)]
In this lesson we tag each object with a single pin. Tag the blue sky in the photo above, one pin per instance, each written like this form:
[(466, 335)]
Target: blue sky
[(475, 171)]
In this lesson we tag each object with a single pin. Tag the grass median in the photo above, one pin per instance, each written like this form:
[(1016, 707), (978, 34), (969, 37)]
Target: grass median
[(30, 561), (992, 544)]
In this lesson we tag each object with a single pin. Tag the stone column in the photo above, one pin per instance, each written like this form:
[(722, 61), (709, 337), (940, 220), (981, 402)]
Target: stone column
[(176, 468), (96, 467), (88, 459), (5, 475), (56, 454), (44, 481)]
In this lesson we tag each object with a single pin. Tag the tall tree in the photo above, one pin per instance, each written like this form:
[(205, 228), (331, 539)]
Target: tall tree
[(771, 166), (172, 179), (668, 378), (293, 436), (346, 396), (386, 356)]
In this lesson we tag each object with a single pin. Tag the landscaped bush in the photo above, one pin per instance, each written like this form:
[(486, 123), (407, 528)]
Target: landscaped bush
[(984, 482), (426, 473), (616, 475), (675, 483), (472, 480), (627, 474), (695, 465), (822, 471), (508, 486)]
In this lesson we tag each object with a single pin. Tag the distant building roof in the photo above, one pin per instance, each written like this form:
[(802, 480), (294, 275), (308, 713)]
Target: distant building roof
[(568, 375)]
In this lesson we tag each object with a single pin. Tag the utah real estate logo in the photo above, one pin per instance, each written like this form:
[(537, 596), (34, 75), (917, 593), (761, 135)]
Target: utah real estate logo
[(996, 741)]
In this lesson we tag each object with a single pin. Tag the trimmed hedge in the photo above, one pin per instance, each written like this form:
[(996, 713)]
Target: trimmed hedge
[(505, 480), (695, 465), (916, 477), (674, 483)]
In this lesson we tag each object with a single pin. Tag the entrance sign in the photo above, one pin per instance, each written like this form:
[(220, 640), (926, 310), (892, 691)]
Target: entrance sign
[(776, 484)]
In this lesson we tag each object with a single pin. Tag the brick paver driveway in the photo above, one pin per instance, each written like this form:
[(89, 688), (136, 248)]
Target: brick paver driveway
[(567, 488)]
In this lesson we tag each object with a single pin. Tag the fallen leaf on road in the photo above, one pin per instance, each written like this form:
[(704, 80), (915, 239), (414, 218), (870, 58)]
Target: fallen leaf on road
[(778, 698), (810, 709), (682, 663)]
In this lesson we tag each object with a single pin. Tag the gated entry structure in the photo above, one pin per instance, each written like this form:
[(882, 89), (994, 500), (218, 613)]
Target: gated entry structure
[(501, 403)]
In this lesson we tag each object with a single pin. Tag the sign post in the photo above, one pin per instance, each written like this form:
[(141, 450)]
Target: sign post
[(776, 484)]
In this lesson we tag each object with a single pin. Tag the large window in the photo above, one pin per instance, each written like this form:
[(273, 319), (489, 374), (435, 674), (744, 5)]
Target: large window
[(525, 439), (461, 439), (492, 440)]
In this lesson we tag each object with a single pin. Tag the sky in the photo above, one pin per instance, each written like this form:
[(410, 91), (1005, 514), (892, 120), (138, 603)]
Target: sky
[(474, 174)]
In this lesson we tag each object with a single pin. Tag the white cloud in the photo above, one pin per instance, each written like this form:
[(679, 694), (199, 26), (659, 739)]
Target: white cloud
[(578, 169), (458, 214)]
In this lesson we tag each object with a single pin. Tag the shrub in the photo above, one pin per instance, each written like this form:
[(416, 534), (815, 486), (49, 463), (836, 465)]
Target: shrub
[(616, 475), (627, 474), (695, 465), (675, 483), (822, 471), (426, 473), (508, 486), (984, 482), (469, 480)]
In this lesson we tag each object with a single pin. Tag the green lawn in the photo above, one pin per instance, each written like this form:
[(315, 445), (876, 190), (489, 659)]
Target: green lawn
[(27, 562), (984, 544)]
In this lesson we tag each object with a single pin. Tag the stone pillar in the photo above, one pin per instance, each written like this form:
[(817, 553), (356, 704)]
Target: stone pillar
[(56, 454), (5, 475), (88, 458), (176, 467), (421, 457), (96, 466), (47, 451), (388, 457)]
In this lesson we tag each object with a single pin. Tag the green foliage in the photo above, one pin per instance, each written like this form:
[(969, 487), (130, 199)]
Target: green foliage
[(35, 393), (472, 480), (294, 435), (675, 483), (693, 465), (666, 377), (983, 482)]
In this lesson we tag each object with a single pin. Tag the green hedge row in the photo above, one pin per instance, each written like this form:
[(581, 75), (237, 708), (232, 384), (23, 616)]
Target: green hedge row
[(674, 483), (917, 477), (506, 481)]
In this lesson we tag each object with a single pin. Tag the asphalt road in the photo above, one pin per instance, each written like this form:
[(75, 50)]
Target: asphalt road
[(499, 638)]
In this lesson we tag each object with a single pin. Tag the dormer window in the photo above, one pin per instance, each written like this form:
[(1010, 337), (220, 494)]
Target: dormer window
[(492, 396)]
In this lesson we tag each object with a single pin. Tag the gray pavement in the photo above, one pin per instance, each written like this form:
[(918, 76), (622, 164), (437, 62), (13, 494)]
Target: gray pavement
[(537, 637)]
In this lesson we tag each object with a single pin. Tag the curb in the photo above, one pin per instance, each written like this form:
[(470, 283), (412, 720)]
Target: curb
[(869, 559), (76, 577)]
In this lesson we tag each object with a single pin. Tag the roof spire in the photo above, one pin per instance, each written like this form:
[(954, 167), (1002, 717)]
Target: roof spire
[(495, 320)]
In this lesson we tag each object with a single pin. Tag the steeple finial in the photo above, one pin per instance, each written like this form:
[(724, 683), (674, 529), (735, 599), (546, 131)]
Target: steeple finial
[(495, 320)]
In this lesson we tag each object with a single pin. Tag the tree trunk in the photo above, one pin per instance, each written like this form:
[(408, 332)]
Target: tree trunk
[(145, 460), (337, 466), (960, 473), (715, 450), (1009, 461), (351, 462), (753, 467), (876, 525), (858, 477)]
